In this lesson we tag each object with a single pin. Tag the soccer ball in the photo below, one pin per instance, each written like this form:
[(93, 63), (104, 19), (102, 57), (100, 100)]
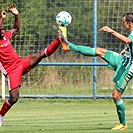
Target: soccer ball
[(63, 18)]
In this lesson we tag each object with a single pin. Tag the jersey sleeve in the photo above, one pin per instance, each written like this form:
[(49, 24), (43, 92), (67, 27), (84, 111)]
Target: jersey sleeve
[(8, 34)]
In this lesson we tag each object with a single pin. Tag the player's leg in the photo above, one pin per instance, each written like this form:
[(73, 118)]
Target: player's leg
[(14, 95), (37, 57), (122, 78), (120, 108), (85, 50), (14, 79), (109, 56)]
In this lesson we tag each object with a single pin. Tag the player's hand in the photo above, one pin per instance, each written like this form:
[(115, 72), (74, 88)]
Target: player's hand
[(3, 14), (122, 52), (106, 29), (12, 8)]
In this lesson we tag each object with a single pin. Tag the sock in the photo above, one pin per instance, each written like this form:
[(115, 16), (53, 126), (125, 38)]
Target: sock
[(121, 111), (6, 106), (85, 50), (52, 47)]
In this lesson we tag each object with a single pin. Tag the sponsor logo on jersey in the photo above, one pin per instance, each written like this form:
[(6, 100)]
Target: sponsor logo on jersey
[(5, 44)]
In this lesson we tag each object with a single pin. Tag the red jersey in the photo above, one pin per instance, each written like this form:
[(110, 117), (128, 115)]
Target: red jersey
[(9, 59)]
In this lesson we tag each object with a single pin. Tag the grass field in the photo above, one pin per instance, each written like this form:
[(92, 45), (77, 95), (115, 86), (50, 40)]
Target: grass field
[(64, 116)]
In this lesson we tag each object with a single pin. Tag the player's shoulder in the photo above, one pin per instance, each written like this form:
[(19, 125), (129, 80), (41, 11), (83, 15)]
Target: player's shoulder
[(131, 34), (8, 33)]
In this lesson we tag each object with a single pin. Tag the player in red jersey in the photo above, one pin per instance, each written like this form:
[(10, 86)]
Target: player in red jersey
[(12, 65)]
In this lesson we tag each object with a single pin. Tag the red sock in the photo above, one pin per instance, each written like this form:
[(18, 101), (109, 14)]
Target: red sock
[(6, 106), (52, 47)]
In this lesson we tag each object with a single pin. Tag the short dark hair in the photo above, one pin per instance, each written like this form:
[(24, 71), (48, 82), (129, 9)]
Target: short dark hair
[(129, 16)]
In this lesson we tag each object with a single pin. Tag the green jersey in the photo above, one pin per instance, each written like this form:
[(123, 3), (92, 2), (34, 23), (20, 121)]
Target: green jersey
[(128, 56), (123, 65)]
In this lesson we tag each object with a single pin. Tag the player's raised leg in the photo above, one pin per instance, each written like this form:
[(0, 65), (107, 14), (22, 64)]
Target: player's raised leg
[(85, 50), (37, 57)]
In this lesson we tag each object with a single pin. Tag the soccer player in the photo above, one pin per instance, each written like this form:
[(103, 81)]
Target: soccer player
[(12, 65), (120, 63)]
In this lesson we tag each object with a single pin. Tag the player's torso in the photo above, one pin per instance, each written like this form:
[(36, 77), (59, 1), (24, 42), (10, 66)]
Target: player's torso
[(7, 54), (127, 60)]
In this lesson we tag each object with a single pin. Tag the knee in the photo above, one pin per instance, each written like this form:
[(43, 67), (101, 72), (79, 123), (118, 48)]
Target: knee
[(13, 100), (98, 49), (100, 52), (116, 97), (38, 55), (42, 53)]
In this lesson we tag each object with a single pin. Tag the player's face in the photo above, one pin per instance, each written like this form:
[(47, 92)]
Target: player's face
[(1, 32), (126, 24)]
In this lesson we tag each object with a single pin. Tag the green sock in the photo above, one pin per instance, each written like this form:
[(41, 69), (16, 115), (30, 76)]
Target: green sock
[(85, 50), (121, 111)]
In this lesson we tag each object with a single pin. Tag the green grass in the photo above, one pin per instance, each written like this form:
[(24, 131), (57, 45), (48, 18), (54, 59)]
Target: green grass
[(64, 116)]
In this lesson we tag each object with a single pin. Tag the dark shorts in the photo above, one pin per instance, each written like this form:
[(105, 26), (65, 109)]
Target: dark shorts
[(14, 78)]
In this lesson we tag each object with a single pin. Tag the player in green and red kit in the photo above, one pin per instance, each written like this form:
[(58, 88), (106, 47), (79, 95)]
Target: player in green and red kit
[(12, 65), (121, 63)]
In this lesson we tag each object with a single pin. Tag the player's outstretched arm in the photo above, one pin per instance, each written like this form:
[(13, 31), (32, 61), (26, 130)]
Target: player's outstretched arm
[(12, 8), (119, 36)]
